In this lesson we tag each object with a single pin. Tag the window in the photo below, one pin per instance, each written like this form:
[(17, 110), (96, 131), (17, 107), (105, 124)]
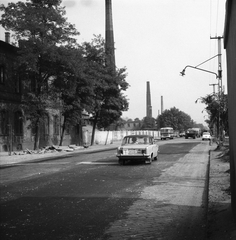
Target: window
[(17, 84), (18, 123), (3, 122), (2, 74), (55, 125)]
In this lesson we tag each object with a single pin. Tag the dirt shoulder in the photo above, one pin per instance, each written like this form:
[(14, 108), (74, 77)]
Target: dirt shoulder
[(221, 224)]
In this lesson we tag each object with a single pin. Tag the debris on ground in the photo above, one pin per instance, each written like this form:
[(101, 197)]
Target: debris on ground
[(49, 149)]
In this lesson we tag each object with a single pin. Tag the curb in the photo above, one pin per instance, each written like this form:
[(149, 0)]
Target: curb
[(16, 159)]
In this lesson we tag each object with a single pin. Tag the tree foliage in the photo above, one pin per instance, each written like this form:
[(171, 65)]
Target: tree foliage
[(57, 73), (174, 118), (41, 30), (148, 123), (106, 97), (217, 109)]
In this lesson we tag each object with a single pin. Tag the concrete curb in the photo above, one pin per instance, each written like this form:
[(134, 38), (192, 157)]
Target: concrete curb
[(6, 160)]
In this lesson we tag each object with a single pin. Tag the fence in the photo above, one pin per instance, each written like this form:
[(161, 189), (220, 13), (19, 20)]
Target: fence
[(108, 137)]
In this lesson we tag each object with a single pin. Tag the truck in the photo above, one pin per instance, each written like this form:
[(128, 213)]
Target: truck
[(198, 132), (190, 133)]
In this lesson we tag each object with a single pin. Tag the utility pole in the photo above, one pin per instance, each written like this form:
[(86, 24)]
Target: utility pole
[(219, 84), (219, 63)]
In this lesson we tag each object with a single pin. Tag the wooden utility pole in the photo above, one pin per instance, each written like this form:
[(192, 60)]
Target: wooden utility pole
[(220, 135)]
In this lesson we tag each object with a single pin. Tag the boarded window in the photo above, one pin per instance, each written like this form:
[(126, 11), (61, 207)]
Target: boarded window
[(18, 123), (55, 125), (3, 122)]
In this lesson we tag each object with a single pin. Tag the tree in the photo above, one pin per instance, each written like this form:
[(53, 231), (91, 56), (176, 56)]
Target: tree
[(217, 109), (106, 98), (148, 123), (71, 87), (175, 118), (40, 27)]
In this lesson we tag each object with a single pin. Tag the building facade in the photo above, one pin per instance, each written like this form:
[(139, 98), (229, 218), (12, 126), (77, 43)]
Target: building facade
[(11, 121), (230, 46), (15, 131)]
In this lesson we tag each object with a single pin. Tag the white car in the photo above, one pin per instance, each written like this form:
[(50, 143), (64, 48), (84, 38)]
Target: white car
[(138, 148), (206, 136)]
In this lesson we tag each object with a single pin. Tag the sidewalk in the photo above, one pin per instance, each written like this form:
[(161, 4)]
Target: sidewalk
[(221, 224), (5, 159)]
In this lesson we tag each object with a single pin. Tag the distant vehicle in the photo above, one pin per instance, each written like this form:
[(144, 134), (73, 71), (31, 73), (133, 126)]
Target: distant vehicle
[(190, 133), (176, 133), (182, 134), (167, 132), (138, 148), (206, 136), (198, 132)]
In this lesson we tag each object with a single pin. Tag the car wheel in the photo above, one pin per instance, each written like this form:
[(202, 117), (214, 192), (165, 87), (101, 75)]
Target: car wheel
[(155, 158)]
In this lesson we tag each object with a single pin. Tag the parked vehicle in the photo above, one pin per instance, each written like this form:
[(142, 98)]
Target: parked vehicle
[(138, 148), (190, 133), (167, 132), (206, 136)]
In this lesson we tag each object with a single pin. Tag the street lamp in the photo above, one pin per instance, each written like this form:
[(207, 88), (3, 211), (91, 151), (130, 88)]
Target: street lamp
[(182, 73), (201, 69)]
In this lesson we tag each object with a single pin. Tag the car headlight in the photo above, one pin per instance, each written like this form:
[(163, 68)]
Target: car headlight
[(144, 151)]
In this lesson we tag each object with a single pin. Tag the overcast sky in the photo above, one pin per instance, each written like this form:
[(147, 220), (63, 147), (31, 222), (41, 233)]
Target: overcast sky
[(155, 40)]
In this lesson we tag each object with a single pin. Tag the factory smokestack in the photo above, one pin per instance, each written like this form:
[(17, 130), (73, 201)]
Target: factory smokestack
[(161, 104), (149, 105), (109, 37)]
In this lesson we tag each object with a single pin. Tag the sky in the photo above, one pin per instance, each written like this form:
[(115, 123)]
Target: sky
[(155, 40)]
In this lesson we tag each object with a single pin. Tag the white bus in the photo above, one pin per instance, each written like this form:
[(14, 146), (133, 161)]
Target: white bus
[(167, 132)]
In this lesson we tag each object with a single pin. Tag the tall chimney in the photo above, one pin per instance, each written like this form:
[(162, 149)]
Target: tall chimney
[(7, 37), (161, 104), (109, 37), (149, 105)]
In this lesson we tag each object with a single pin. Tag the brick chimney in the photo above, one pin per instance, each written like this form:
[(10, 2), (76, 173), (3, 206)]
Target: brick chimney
[(7, 37), (109, 36), (148, 103)]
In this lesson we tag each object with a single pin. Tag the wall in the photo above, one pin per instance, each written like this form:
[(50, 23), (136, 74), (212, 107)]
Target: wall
[(108, 137), (230, 46)]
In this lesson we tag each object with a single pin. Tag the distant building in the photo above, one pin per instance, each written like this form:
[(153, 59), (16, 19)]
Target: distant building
[(133, 125)]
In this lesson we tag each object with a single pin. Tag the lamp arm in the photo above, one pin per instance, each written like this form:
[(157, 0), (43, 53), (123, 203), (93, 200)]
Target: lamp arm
[(201, 69)]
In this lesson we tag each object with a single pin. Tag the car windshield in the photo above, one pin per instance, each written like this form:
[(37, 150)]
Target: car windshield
[(136, 140)]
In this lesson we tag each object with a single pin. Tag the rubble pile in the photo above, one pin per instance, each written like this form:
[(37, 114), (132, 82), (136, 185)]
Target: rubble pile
[(50, 149)]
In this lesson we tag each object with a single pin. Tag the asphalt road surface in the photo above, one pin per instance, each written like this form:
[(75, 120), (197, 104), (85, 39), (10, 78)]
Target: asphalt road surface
[(91, 196)]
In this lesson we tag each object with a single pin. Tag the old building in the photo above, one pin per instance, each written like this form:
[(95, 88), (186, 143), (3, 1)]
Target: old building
[(15, 133), (230, 46), (11, 121)]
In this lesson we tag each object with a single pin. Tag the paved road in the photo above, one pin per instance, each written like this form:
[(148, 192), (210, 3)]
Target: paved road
[(90, 196)]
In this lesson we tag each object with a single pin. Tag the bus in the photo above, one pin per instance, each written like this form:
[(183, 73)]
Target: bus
[(167, 132)]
